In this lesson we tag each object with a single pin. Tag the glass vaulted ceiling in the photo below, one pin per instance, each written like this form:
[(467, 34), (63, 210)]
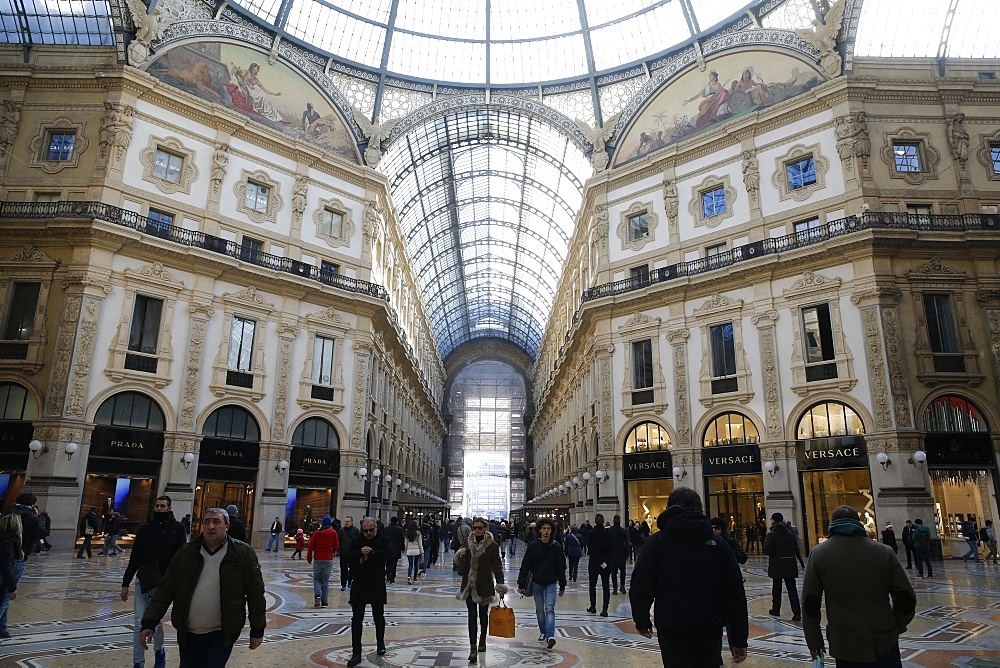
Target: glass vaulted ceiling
[(487, 201)]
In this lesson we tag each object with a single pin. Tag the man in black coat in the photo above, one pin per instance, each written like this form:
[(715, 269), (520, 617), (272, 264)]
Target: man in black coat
[(619, 552), (696, 584), (347, 535), (394, 536), (908, 543), (782, 549), (154, 547), (599, 544), (367, 556), (237, 527), (32, 536)]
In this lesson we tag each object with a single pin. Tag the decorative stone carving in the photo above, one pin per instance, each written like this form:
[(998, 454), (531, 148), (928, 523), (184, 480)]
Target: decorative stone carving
[(189, 170), (189, 393), (39, 144), (10, 120), (671, 202), (623, 232), (299, 198), (958, 140), (323, 230), (275, 202), (780, 176), (83, 354), (751, 175), (59, 376), (220, 162), (772, 391), (872, 330), (897, 376), (853, 139), (682, 412), (927, 155), (823, 36), (598, 136), (696, 208), (376, 133)]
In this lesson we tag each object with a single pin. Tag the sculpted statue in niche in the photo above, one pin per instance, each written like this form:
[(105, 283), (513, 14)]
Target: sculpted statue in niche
[(958, 138), (751, 174)]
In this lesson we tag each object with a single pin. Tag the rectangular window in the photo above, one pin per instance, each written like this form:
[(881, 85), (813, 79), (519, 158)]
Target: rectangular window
[(322, 366), (919, 209), (250, 249), (256, 197), (60, 145), (640, 273), (906, 156), (638, 226), (713, 202), (329, 267), (241, 344), (47, 196), (20, 323), (333, 221), (159, 222), (723, 346), (716, 254), (801, 173), (167, 166), (642, 372), (995, 158), (145, 329), (943, 333), (807, 230)]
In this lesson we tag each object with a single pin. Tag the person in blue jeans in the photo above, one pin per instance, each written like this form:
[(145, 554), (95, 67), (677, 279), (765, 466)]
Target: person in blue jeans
[(545, 563), (972, 538), (272, 543), (10, 554)]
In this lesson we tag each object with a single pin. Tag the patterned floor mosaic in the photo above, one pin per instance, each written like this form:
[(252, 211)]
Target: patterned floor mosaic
[(69, 614)]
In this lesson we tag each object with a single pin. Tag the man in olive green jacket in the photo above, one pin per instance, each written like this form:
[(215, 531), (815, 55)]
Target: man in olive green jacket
[(212, 581), (859, 578)]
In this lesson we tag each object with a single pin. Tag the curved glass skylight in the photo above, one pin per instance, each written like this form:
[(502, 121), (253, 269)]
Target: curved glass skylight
[(500, 42), (487, 201), (928, 28)]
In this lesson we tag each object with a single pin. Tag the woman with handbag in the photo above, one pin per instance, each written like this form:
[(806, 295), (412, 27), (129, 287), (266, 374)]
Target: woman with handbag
[(479, 564), (413, 545), (542, 568)]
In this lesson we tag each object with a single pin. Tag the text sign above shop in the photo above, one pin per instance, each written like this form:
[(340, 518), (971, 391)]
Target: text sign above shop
[(14, 439), (731, 459), (315, 460), (823, 454), (956, 451), (219, 452), (117, 443), (648, 465)]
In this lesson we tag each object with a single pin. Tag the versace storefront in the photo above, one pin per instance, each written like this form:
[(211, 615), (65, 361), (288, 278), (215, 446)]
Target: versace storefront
[(832, 459), (648, 472), (734, 490)]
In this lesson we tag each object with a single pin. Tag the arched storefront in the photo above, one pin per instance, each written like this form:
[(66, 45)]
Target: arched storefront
[(227, 465), (734, 485), (962, 468), (123, 465), (18, 409), (647, 468), (832, 458), (313, 474)]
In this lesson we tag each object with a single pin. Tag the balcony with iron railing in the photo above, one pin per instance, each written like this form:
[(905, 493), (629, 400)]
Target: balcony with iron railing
[(192, 238)]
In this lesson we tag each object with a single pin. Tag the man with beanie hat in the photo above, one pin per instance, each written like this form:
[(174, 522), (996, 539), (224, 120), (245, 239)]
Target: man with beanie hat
[(237, 527), (322, 544), (859, 578), (782, 549)]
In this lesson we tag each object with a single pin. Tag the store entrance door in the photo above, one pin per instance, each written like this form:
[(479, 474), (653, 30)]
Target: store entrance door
[(739, 500), (219, 494)]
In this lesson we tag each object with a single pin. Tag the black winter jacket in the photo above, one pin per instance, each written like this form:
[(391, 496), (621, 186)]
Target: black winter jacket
[(368, 585), (599, 547), (240, 580), (693, 578), (782, 549), (546, 563), (155, 543), (32, 532), (10, 551)]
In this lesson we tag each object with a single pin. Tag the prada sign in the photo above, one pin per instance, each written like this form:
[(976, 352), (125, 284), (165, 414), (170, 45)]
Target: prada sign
[(315, 460), (648, 465), (231, 454), (956, 451), (731, 460), (824, 454), (117, 443), (14, 439)]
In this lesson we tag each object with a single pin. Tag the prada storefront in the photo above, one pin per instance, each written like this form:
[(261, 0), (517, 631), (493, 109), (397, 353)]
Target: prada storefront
[(227, 465), (648, 472), (123, 464), (17, 410), (962, 468), (313, 474), (832, 459)]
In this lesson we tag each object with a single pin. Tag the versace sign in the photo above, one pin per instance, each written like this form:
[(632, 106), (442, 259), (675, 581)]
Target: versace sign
[(648, 465), (731, 460), (824, 454)]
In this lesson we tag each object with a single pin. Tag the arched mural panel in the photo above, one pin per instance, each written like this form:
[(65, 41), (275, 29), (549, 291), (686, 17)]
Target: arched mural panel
[(242, 79), (731, 86)]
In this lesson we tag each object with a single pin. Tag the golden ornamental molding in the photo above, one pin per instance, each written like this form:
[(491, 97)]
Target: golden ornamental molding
[(935, 267)]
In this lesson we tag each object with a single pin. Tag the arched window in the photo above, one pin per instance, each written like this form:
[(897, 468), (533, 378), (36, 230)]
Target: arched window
[(731, 429), (316, 433), (232, 422), (647, 437), (16, 403), (953, 414), (130, 409), (829, 419)]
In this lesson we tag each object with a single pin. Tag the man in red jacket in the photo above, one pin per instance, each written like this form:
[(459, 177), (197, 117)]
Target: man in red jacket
[(322, 546)]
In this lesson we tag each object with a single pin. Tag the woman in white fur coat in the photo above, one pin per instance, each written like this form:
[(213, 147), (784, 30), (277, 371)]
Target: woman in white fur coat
[(479, 564)]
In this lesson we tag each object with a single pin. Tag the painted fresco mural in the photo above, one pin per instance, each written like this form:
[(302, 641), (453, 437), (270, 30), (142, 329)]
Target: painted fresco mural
[(731, 86), (275, 95)]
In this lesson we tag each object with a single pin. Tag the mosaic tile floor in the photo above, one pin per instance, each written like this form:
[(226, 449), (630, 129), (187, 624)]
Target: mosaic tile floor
[(69, 614)]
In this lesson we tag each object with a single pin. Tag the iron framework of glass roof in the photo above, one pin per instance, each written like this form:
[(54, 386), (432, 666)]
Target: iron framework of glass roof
[(488, 196)]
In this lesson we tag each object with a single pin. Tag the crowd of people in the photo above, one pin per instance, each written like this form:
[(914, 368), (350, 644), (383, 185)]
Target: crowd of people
[(689, 572)]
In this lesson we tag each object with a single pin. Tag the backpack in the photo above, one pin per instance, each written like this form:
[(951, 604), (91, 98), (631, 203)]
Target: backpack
[(922, 539), (984, 535)]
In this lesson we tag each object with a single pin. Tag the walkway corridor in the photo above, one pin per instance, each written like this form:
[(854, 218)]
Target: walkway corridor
[(68, 613)]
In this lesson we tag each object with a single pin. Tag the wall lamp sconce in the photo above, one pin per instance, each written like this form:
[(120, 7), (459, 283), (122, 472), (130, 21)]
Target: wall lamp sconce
[(398, 482), (884, 460), (37, 448), (388, 480), (679, 473), (771, 467), (71, 449), (186, 459), (576, 481), (361, 473), (601, 475), (918, 459), (586, 477), (281, 466)]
